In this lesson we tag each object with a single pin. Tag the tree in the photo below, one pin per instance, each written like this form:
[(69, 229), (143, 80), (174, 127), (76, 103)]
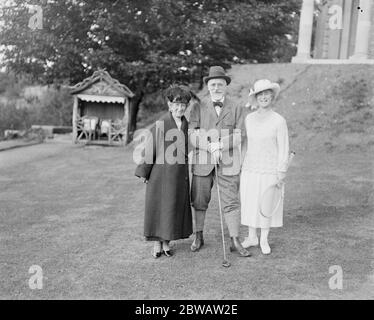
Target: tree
[(145, 44)]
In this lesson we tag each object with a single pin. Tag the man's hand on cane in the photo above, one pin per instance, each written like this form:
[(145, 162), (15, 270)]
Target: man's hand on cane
[(214, 146), (215, 149)]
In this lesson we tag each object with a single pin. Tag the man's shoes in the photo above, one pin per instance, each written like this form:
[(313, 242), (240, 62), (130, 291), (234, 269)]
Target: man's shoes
[(198, 242), (237, 247), (250, 242)]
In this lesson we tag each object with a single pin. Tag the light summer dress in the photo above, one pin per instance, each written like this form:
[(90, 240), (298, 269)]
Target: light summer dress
[(267, 153)]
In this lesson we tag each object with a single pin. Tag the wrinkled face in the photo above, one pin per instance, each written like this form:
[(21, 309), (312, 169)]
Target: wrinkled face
[(217, 88), (264, 98), (177, 109)]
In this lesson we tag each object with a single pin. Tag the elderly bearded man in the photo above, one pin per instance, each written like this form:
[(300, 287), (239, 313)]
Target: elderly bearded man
[(215, 133)]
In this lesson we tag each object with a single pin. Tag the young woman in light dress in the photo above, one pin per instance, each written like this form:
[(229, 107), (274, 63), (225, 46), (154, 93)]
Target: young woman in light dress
[(265, 163)]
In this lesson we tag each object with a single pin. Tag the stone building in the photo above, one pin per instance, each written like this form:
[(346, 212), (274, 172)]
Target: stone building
[(343, 32)]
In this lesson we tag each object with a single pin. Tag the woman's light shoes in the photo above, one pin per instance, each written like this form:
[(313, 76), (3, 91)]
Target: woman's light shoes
[(265, 248), (253, 242), (250, 242)]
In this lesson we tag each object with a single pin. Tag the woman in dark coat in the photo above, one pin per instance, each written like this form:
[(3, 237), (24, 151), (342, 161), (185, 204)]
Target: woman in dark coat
[(167, 202)]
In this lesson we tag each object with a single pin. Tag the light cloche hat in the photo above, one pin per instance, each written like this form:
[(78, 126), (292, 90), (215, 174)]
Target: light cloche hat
[(262, 85)]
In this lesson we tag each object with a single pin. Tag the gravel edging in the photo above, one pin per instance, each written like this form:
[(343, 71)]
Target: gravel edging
[(26, 144)]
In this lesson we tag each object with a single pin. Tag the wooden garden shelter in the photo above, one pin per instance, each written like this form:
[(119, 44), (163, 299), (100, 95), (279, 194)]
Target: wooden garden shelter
[(101, 109)]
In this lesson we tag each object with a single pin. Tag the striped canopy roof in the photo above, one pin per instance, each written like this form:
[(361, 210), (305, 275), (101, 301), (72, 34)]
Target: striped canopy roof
[(101, 84)]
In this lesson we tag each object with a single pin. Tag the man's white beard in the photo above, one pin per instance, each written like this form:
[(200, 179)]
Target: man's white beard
[(216, 96)]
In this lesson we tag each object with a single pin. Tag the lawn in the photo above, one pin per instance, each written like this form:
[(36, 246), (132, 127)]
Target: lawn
[(77, 212)]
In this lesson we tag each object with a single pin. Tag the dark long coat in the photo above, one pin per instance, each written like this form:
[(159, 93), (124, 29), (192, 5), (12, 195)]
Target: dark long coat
[(167, 201)]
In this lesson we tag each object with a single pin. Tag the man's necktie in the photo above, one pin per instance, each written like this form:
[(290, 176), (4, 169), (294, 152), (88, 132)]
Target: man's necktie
[(217, 104)]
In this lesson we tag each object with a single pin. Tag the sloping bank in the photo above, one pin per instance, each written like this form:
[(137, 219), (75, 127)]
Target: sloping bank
[(327, 107)]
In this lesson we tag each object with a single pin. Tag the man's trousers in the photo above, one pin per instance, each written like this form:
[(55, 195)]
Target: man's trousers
[(201, 189)]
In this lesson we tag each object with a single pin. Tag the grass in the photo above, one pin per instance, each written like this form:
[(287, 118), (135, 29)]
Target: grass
[(78, 213)]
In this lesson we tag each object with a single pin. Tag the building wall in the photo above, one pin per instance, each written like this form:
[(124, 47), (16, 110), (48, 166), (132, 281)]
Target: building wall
[(321, 35), (340, 44), (371, 43)]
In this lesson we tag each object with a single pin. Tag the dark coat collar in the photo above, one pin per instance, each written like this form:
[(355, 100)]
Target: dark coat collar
[(174, 124)]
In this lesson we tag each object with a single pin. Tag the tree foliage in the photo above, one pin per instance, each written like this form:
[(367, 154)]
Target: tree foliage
[(24, 103), (146, 44)]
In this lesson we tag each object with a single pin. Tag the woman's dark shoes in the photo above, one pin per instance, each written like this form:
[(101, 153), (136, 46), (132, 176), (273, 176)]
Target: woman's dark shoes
[(237, 247), (165, 249), (198, 242), (157, 250), (167, 253)]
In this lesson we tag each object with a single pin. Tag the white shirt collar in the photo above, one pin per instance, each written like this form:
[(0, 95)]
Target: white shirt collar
[(220, 100)]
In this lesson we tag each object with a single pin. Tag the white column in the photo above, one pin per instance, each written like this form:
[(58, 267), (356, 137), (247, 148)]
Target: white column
[(305, 32), (126, 118), (363, 31), (74, 119)]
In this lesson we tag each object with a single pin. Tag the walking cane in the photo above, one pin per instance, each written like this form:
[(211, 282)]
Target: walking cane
[(225, 262)]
